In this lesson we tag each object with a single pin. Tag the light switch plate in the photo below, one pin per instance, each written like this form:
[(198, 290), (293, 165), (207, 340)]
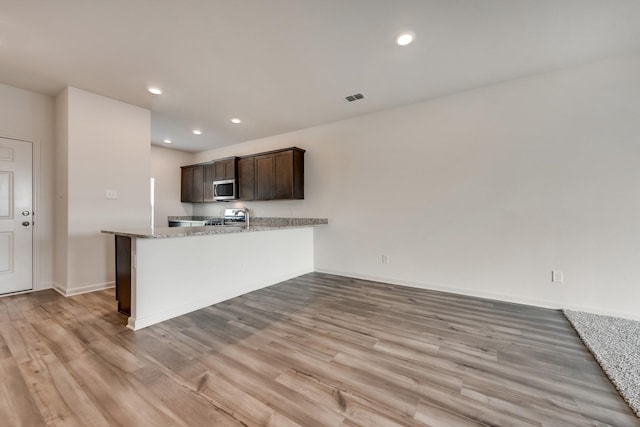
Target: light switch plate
[(111, 194)]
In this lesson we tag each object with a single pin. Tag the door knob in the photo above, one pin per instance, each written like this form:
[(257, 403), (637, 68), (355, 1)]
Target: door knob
[(26, 223), (25, 213)]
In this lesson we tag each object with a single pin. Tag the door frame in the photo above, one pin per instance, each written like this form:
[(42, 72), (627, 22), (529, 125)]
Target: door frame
[(35, 201)]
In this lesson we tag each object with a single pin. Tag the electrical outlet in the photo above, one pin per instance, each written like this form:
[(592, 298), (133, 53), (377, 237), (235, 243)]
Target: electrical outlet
[(111, 194), (385, 259), (556, 276)]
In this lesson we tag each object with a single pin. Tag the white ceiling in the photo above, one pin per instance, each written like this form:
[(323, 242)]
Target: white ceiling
[(282, 65)]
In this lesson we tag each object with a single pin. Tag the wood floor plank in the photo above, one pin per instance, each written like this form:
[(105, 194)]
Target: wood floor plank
[(189, 406), (59, 340), (397, 396), (359, 410), (17, 405), (5, 353), (59, 397), (435, 416), (118, 399), (163, 352), (23, 341), (241, 404), (108, 349), (288, 402), (319, 350)]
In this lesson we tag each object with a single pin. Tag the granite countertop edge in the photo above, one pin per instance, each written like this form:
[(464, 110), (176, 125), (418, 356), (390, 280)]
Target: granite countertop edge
[(256, 225)]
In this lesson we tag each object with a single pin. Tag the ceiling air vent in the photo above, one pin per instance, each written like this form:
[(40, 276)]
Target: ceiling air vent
[(354, 97)]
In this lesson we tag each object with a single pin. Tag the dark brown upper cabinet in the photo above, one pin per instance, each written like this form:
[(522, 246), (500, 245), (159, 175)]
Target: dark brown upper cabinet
[(209, 177), (192, 189), (216, 171), (226, 168), (273, 175), (264, 177), (246, 178), (279, 175)]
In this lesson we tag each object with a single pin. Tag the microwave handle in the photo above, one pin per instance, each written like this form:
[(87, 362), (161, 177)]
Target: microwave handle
[(215, 190)]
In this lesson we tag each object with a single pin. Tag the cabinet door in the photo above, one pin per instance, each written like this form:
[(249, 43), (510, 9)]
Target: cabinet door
[(264, 177), (246, 178), (123, 274), (225, 169), (230, 168), (283, 175), (198, 184), (298, 174), (220, 170), (186, 190), (209, 177)]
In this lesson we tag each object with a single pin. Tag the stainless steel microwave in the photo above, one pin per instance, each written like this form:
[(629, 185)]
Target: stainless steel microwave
[(226, 189)]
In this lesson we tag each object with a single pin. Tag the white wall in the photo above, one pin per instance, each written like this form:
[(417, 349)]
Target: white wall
[(484, 192), (61, 189), (108, 148), (208, 270), (165, 169), (28, 115)]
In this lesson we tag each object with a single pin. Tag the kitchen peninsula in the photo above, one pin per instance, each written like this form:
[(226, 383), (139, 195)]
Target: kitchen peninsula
[(165, 272)]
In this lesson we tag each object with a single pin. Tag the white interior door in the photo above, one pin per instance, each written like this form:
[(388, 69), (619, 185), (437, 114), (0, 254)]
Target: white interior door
[(16, 216)]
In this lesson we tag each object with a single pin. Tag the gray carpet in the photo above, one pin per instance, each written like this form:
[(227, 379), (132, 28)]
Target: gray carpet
[(615, 343)]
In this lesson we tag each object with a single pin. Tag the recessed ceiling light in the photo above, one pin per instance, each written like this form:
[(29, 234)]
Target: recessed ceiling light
[(405, 38), (236, 120), (197, 132), (167, 141), (155, 90)]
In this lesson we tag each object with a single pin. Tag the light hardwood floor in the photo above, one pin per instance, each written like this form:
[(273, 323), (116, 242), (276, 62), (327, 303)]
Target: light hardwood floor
[(319, 350)]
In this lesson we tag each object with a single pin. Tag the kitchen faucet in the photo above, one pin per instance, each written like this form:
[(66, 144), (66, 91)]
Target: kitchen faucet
[(235, 215), (246, 218)]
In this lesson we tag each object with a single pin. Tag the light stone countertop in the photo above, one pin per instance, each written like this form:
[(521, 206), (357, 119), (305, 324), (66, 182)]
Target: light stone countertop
[(258, 224)]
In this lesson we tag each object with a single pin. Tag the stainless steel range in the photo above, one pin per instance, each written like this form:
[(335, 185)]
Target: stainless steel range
[(194, 222), (232, 217)]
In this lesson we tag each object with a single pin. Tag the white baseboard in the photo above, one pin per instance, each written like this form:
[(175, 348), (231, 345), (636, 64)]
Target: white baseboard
[(43, 285), (82, 289), (487, 295), (596, 310), (59, 289)]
